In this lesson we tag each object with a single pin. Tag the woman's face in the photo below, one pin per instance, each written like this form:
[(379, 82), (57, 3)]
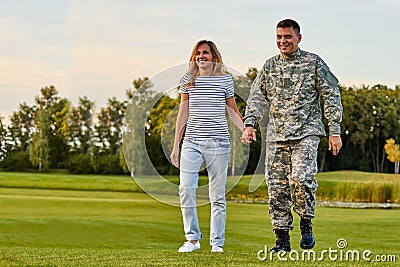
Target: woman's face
[(204, 58)]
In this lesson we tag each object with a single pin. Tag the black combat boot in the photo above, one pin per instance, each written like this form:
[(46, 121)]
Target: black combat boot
[(307, 238), (282, 241)]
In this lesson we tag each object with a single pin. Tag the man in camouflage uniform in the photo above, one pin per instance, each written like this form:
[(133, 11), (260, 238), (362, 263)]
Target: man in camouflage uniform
[(290, 86)]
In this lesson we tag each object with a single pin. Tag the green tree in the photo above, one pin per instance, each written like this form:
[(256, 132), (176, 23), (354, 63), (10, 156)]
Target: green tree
[(21, 126), (108, 130), (57, 110), (141, 100), (107, 135), (116, 111), (80, 123), (3, 134), (79, 132), (17, 138), (369, 116), (39, 147), (160, 133)]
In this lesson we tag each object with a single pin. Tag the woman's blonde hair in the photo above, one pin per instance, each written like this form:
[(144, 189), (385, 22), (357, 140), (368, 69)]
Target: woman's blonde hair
[(218, 67)]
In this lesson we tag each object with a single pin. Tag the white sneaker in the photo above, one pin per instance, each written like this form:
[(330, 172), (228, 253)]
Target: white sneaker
[(217, 249), (189, 246)]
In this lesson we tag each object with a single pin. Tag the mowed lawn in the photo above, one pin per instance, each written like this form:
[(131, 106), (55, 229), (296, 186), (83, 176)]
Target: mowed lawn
[(93, 226)]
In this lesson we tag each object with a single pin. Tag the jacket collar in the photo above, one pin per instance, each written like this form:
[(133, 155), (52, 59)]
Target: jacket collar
[(293, 56)]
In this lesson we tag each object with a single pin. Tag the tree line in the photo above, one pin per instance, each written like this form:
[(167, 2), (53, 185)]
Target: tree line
[(54, 134)]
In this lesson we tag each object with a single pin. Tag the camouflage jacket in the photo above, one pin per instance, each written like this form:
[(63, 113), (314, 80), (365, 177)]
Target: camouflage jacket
[(291, 88)]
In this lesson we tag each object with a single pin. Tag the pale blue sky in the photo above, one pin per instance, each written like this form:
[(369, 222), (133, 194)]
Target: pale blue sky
[(97, 47)]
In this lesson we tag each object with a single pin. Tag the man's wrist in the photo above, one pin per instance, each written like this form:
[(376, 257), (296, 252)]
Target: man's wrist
[(247, 125)]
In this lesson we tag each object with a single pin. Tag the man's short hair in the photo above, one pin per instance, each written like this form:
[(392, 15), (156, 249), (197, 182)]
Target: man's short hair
[(287, 23)]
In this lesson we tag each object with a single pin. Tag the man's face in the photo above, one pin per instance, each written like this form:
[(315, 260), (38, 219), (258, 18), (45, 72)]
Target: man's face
[(287, 40)]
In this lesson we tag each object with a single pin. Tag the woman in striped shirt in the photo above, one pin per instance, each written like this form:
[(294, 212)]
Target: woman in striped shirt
[(206, 93)]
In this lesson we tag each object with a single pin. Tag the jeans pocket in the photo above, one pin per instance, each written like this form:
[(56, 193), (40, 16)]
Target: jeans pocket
[(226, 145)]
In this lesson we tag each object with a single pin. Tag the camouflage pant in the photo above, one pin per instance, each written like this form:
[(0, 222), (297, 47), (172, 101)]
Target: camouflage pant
[(290, 173)]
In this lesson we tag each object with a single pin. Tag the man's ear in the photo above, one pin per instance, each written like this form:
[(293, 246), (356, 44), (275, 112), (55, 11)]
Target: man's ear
[(299, 36)]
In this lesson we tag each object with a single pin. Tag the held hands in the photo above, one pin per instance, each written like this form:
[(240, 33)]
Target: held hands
[(335, 143), (248, 135)]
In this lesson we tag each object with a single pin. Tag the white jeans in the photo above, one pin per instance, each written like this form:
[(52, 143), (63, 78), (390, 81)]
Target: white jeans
[(216, 155)]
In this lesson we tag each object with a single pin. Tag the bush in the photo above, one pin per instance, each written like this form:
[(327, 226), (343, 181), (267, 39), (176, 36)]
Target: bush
[(16, 161), (109, 164), (80, 163), (371, 192)]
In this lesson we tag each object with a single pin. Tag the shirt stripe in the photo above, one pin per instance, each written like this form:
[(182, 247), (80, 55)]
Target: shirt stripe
[(207, 106)]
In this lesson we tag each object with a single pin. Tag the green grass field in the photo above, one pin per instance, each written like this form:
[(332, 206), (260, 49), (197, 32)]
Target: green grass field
[(65, 220), (349, 186)]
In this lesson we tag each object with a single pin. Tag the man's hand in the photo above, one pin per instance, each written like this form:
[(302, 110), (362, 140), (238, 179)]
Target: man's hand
[(248, 135), (335, 143)]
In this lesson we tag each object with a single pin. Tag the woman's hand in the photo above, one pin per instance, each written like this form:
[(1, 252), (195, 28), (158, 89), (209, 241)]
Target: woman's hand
[(175, 157)]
